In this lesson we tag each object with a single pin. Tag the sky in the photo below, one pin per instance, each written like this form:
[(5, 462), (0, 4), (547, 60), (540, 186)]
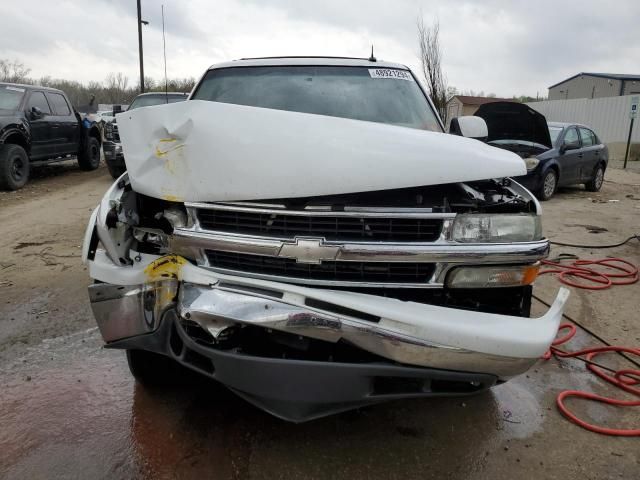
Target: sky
[(505, 47)]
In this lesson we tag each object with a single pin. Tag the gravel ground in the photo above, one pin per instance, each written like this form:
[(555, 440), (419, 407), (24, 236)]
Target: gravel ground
[(633, 167), (69, 409)]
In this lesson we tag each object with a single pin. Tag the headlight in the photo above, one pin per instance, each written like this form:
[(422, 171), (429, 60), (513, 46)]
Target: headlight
[(531, 163), (108, 131), (496, 228)]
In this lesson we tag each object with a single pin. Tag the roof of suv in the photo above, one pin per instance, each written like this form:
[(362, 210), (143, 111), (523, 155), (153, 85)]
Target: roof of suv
[(182, 94), (308, 61), (30, 87)]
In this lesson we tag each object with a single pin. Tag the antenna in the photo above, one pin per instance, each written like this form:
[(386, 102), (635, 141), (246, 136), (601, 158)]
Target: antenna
[(372, 58), (164, 51)]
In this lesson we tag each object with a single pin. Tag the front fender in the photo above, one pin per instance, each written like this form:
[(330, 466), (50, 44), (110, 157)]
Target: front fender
[(551, 163), (17, 127)]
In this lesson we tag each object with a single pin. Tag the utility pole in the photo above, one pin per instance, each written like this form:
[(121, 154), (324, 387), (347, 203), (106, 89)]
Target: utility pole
[(626, 153), (140, 22), (633, 113), (164, 52)]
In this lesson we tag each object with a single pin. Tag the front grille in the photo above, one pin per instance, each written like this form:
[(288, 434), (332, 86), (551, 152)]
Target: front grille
[(330, 227), (116, 134), (373, 272)]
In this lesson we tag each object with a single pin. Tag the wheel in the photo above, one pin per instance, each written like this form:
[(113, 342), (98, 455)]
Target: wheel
[(14, 167), (89, 159), (549, 185), (115, 171), (595, 184), (152, 369)]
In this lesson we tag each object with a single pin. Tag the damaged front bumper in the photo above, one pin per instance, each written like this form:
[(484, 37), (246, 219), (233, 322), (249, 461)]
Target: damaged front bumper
[(167, 305)]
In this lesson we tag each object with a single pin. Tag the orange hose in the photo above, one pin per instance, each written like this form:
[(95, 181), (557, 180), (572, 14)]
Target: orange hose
[(625, 273), (625, 379)]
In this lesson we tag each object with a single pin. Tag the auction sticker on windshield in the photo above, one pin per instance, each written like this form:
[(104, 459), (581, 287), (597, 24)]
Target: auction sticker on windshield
[(390, 73)]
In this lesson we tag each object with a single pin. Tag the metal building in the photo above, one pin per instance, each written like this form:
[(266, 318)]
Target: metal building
[(595, 85), (462, 105)]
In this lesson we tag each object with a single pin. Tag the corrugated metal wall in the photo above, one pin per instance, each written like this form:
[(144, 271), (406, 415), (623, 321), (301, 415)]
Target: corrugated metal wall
[(609, 117)]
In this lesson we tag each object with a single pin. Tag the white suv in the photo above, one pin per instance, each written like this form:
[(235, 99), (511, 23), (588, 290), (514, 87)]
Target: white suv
[(303, 231)]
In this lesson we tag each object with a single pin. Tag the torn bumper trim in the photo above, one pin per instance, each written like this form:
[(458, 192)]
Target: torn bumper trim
[(217, 308), (299, 390)]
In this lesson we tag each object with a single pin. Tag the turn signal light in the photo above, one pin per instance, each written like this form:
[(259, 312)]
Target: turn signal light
[(493, 276)]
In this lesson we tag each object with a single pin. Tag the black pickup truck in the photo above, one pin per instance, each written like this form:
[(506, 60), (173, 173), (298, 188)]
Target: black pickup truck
[(38, 125)]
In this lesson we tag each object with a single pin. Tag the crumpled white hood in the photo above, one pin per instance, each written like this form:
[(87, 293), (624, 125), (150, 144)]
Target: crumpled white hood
[(208, 151)]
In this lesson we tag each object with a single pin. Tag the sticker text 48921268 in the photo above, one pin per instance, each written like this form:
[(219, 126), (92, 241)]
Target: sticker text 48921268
[(390, 73)]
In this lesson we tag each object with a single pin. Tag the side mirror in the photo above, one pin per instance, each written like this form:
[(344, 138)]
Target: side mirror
[(36, 113), (569, 146), (116, 109), (470, 127)]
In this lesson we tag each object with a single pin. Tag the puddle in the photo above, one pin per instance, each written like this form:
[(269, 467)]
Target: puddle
[(65, 403), (70, 409)]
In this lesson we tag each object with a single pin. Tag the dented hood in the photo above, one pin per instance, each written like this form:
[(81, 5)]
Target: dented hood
[(208, 151)]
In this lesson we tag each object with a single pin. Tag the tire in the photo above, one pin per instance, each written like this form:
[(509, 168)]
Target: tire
[(115, 172), (89, 159), (14, 167), (155, 370), (549, 185), (595, 184)]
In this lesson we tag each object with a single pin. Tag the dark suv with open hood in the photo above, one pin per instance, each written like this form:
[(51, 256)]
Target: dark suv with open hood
[(556, 154)]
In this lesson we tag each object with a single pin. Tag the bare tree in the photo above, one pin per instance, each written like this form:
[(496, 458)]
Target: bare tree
[(470, 93), (149, 84), (173, 85), (431, 64), (13, 72), (120, 81), (115, 89)]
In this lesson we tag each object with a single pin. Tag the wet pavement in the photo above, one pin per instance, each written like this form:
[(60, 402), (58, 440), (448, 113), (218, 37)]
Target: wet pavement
[(70, 409)]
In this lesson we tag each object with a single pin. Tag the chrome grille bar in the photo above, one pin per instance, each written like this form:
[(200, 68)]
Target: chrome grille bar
[(356, 212), (309, 258)]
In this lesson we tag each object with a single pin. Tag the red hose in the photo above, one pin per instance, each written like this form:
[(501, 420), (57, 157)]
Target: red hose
[(625, 379), (624, 273)]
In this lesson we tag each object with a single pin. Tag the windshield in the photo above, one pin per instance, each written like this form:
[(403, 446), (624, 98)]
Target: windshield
[(381, 95), (10, 97), (553, 133), (151, 100)]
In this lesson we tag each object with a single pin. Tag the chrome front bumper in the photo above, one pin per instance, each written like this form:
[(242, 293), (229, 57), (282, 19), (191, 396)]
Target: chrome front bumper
[(403, 332), (424, 350)]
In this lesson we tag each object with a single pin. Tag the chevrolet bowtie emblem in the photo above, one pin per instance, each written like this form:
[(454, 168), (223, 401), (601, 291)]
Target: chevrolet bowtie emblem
[(309, 250)]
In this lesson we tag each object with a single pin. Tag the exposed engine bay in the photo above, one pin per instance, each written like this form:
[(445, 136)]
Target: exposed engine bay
[(150, 218), (521, 148)]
